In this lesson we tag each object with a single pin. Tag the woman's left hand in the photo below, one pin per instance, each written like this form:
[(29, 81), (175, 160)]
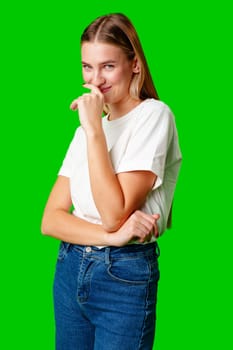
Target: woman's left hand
[(138, 227), (90, 106)]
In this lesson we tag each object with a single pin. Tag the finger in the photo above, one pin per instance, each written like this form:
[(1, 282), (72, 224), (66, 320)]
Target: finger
[(156, 229), (147, 220), (148, 226), (74, 105), (142, 226), (156, 216), (140, 215), (145, 238), (143, 233), (93, 88)]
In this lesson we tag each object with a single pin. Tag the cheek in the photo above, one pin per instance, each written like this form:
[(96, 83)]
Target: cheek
[(121, 77), (114, 78), (86, 76)]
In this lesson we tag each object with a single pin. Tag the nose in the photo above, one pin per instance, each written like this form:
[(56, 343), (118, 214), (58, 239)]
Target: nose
[(97, 78)]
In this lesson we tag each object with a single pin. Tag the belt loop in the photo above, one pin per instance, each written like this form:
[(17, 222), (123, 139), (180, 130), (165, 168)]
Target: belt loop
[(107, 256), (67, 246)]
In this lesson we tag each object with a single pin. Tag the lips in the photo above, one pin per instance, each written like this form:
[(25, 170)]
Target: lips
[(105, 89)]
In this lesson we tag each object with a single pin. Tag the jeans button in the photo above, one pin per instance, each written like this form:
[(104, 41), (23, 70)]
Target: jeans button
[(88, 249)]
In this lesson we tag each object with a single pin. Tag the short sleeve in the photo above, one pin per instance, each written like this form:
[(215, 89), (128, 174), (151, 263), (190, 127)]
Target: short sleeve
[(148, 145), (68, 162)]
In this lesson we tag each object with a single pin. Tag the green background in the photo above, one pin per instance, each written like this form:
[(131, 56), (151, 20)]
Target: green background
[(187, 45)]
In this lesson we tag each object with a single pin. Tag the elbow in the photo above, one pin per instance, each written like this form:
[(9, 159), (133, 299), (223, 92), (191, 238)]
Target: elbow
[(45, 226), (43, 229), (112, 225)]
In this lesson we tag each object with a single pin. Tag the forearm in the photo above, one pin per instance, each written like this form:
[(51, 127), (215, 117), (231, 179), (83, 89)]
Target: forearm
[(69, 228), (64, 226), (116, 196), (106, 189)]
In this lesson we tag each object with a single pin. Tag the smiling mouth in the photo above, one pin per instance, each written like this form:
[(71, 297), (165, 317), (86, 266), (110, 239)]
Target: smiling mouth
[(104, 90)]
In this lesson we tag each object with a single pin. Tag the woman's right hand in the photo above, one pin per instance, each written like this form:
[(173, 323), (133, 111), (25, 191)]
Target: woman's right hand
[(139, 227)]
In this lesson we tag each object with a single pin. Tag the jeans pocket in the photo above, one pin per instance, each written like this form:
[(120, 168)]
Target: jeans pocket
[(63, 251), (130, 271)]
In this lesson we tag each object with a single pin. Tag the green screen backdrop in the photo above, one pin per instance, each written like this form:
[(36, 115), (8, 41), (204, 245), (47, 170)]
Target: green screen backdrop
[(187, 45)]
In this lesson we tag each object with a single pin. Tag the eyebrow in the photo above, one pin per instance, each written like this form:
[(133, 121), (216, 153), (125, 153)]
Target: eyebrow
[(102, 63)]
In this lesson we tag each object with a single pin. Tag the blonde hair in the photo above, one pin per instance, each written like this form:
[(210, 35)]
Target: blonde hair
[(116, 29)]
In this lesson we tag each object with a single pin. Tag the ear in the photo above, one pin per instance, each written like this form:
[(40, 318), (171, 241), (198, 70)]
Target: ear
[(136, 66)]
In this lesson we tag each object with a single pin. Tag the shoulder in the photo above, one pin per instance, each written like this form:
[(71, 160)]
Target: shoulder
[(155, 112), (156, 107)]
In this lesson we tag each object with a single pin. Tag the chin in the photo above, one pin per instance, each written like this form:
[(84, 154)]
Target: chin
[(107, 100)]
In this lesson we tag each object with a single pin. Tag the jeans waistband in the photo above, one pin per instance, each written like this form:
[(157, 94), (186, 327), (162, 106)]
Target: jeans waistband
[(107, 253)]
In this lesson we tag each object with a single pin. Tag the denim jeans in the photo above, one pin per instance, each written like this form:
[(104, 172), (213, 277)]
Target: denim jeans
[(105, 299)]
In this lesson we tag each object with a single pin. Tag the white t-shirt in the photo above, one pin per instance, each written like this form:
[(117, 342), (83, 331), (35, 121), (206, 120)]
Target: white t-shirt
[(143, 139)]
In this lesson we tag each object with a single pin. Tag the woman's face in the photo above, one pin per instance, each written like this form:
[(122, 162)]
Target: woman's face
[(107, 67)]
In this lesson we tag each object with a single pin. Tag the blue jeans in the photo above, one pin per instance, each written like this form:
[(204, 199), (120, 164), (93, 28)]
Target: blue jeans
[(105, 299)]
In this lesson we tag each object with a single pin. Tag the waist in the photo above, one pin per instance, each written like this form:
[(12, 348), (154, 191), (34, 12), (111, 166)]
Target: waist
[(130, 251)]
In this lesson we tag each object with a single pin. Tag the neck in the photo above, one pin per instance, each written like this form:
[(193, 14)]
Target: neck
[(117, 110)]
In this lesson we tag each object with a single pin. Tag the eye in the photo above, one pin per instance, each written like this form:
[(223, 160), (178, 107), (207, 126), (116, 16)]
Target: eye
[(86, 67), (109, 66)]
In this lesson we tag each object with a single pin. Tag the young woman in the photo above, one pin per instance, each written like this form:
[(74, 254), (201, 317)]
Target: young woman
[(119, 174)]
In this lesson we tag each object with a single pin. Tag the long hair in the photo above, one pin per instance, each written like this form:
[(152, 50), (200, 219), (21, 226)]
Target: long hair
[(116, 29)]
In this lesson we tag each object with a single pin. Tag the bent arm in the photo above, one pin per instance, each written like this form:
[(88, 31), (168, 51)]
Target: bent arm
[(57, 222), (115, 196)]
